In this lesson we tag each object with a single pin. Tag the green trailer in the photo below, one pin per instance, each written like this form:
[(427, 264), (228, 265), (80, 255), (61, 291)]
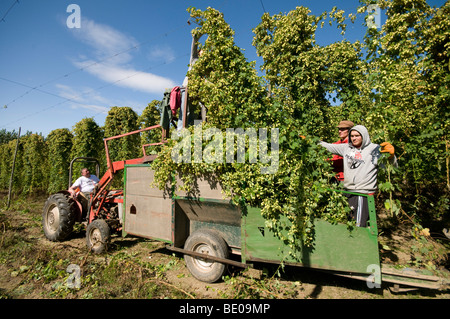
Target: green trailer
[(212, 232)]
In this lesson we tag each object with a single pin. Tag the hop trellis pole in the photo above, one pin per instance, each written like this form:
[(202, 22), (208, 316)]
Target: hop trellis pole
[(12, 170)]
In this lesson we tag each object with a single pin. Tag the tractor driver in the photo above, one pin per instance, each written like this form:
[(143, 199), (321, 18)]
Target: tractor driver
[(86, 182)]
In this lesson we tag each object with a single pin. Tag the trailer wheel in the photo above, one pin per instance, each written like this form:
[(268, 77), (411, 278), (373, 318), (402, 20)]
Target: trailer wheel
[(206, 242), (58, 217), (98, 235)]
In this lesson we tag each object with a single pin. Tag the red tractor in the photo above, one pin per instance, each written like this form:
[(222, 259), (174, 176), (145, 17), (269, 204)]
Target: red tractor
[(103, 214)]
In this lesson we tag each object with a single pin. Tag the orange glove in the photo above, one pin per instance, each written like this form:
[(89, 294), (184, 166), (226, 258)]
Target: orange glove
[(302, 136), (387, 147)]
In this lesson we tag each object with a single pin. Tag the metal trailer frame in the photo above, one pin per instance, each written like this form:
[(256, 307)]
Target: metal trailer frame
[(101, 194), (164, 216)]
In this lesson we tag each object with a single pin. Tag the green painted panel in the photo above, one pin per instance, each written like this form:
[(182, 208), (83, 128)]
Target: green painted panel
[(335, 246)]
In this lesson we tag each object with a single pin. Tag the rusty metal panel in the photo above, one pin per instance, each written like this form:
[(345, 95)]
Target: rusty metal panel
[(181, 225), (148, 211), (138, 180), (207, 186), (220, 215), (210, 210)]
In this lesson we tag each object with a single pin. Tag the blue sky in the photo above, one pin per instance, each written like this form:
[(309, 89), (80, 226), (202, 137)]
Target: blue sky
[(125, 53)]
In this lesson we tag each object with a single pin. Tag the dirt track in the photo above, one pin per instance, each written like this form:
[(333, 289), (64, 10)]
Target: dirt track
[(31, 267)]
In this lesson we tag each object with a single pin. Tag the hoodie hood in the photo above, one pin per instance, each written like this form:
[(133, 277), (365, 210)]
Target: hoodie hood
[(364, 133)]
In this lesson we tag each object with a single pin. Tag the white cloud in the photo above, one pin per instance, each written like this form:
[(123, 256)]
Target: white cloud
[(161, 53), (95, 108), (67, 92), (106, 41), (128, 77), (114, 50), (80, 99)]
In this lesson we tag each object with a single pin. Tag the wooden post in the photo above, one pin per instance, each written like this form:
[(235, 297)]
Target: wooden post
[(447, 162), (12, 171)]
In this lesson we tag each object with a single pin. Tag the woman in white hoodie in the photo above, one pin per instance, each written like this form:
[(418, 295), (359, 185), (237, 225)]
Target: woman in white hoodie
[(360, 168)]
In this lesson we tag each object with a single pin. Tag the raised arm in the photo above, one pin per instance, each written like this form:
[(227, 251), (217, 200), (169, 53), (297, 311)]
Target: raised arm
[(334, 148)]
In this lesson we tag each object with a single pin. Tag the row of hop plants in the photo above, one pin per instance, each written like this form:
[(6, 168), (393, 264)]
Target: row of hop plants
[(42, 163)]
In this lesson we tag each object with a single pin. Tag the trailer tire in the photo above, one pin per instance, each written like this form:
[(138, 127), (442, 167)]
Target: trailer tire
[(208, 242), (58, 217), (98, 235)]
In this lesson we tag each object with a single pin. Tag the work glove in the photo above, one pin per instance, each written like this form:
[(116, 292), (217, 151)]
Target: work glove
[(387, 147)]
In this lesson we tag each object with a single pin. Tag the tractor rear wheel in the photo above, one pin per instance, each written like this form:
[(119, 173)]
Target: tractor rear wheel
[(58, 217)]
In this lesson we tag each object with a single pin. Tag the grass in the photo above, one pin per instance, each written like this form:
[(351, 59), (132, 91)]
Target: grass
[(43, 269), (135, 268)]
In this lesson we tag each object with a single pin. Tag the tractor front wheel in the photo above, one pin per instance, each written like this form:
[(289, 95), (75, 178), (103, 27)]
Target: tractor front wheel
[(98, 235)]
